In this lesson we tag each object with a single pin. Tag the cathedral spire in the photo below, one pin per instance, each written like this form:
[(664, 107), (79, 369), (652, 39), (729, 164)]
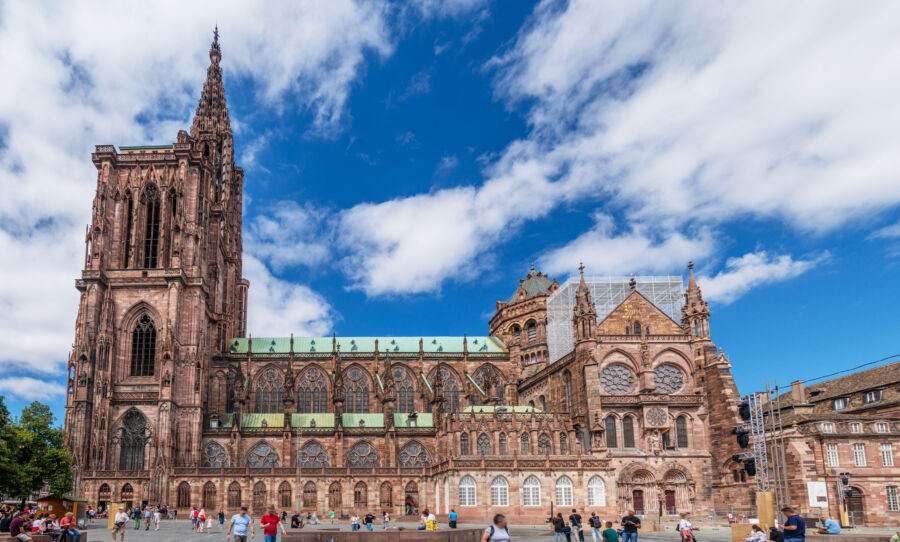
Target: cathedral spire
[(584, 317), (695, 313), (212, 112)]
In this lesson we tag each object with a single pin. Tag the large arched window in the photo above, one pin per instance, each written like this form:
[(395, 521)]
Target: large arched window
[(312, 395), (360, 495), (310, 494), (567, 383), (270, 391), (501, 448), (313, 456), (467, 491), (262, 455), (104, 493), (259, 497), (234, 495), (132, 440), (596, 490), (413, 454), (404, 389), (483, 445), (214, 455), (463, 444), (531, 330), (611, 440), (525, 444), (499, 492), (681, 432), (386, 496), (544, 445), (150, 199), (362, 454), (488, 376), (127, 243), (335, 500), (564, 491), (450, 384), (284, 495), (127, 493), (563, 444), (356, 391), (143, 347), (636, 328), (184, 495), (628, 432), (531, 492), (209, 495)]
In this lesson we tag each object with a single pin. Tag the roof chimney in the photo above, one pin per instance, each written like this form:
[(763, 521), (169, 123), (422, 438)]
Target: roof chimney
[(798, 392)]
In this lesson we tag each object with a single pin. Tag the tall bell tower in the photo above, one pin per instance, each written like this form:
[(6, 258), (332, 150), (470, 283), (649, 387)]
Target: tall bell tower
[(161, 292)]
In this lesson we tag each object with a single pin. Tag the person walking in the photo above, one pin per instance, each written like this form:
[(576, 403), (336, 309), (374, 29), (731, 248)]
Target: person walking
[(794, 526), (136, 516), (240, 523), (221, 519), (157, 516), (119, 525), (270, 524), (370, 522), (498, 531), (630, 526), (596, 527), (575, 520), (354, 522), (201, 520), (559, 527), (147, 515), (610, 534), (452, 518), (685, 529), (386, 519)]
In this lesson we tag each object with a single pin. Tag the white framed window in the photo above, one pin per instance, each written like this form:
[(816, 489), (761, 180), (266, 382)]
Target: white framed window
[(831, 455), (531, 492), (873, 396), (564, 491), (841, 403), (499, 492), (893, 503), (828, 427), (467, 491), (855, 428), (887, 455), (859, 455), (596, 491), (881, 427)]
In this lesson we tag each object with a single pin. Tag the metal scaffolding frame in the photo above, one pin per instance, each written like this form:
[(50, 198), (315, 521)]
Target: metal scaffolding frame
[(667, 293)]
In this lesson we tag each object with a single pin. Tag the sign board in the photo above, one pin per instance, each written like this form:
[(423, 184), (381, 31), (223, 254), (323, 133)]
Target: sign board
[(818, 494)]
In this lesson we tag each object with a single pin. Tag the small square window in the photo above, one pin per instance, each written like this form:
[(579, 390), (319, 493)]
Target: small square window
[(840, 403), (828, 428), (881, 427), (855, 428), (873, 396)]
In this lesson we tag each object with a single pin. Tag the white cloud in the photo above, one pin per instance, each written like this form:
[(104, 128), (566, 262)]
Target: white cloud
[(887, 232), (683, 116), (30, 389), (448, 8), (278, 308), (288, 235), (751, 270), (605, 251), (80, 75)]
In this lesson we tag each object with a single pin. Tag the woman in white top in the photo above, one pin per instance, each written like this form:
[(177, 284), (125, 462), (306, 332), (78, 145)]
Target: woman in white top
[(354, 522), (685, 529), (156, 517), (756, 534)]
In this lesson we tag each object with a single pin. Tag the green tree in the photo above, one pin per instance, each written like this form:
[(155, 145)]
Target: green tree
[(33, 452)]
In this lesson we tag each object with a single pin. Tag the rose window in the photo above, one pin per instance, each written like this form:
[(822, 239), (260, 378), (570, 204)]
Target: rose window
[(669, 378), (616, 379)]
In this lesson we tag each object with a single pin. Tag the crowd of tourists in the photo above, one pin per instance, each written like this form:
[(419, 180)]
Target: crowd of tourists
[(23, 524)]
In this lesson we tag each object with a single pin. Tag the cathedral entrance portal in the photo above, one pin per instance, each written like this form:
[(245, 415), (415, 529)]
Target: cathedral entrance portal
[(637, 500), (411, 502)]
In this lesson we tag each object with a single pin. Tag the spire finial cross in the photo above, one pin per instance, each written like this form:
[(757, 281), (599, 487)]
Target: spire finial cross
[(581, 268)]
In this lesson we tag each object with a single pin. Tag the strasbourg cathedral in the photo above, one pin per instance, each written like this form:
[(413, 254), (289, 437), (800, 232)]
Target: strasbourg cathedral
[(169, 402)]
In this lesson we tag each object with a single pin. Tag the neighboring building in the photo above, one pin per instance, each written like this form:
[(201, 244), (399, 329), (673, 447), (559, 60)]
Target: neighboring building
[(168, 401), (849, 425)]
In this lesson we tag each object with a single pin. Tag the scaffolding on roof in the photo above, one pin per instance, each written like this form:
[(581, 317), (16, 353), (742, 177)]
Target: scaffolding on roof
[(667, 293)]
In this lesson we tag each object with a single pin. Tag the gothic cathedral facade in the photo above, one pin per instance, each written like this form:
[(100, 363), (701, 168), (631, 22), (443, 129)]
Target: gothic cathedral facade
[(170, 403)]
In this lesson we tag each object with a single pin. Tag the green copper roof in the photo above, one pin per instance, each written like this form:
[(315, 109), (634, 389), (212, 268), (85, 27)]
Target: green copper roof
[(423, 419), (226, 419), (477, 387), (427, 383), (494, 408), (309, 345), (534, 283), (257, 419), (369, 420), (322, 419)]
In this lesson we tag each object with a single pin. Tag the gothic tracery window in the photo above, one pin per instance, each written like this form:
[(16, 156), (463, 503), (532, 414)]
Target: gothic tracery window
[(611, 440), (284, 495), (132, 440), (616, 379), (681, 432), (404, 389), (310, 494), (234, 495), (312, 395), (363, 454), (563, 444), (628, 432), (143, 347), (313, 455), (209, 495), (262, 455), (463, 444), (150, 199), (483, 444), (544, 445), (525, 448), (502, 444), (259, 497), (356, 391), (567, 382), (668, 378), (214, 455), (451, 387), (386, 495), (488, 375), (184, 495), (413, 454), (269, 391)]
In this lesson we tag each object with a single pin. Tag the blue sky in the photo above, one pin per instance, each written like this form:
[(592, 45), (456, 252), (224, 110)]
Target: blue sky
[(406, 162)]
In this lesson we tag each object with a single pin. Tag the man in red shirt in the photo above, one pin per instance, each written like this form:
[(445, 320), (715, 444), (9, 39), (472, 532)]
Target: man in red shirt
[(270, 523)]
